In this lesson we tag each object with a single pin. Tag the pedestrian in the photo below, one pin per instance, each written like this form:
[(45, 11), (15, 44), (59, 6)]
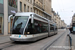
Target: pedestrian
[(70, 29)]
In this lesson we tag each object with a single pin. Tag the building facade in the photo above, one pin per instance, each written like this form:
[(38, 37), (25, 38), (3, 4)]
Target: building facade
[(7, 7), (26, 5), (63, 25), (39, 7), (73, 18), (56, 18), (1, 17), (48, 6)]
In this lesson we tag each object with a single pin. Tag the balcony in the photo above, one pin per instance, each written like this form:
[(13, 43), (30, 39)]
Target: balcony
[(38, 6)]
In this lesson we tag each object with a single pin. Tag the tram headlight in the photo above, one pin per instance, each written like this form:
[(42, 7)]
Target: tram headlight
[(28, 32)]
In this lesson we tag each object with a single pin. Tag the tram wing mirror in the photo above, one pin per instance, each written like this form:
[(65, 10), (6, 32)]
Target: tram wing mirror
[(32, 20), (9, 17)]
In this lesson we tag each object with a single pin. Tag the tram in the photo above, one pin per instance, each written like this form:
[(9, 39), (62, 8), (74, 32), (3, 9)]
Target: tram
[(28, 26)]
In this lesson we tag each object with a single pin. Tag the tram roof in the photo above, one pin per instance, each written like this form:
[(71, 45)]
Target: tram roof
[(28, 14), (24, 13)]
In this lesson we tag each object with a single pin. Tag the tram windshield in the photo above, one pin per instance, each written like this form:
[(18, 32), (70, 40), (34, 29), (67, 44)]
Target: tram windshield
[(19, 24)]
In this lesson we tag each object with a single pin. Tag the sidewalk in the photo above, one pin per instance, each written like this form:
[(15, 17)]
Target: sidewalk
[(4, 39), (73, 40)]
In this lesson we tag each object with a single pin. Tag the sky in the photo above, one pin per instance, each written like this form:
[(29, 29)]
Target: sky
[(65, 8)]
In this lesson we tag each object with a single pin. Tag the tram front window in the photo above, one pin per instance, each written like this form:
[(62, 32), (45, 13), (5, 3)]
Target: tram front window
[(19, 24)]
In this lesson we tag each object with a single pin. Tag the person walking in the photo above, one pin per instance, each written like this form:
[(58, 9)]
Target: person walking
[(71, 29)]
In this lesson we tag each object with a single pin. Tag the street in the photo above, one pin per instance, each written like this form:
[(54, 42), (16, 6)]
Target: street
[(59, 42), (37, 25), (62, 43), (73, 41)]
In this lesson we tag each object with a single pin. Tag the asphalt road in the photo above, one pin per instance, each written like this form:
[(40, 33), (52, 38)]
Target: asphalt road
[(50, 43), (73, 41), (61, 44)]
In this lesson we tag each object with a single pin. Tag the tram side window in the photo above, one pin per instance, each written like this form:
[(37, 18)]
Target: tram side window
[(30, 28), (36, 27), (41, 27), (51, 28), (55, 28)]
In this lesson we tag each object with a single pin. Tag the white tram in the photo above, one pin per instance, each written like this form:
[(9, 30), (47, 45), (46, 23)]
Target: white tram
[(28, 26)]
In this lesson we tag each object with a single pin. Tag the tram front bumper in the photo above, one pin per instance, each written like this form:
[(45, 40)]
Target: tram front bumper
[(22, 39)]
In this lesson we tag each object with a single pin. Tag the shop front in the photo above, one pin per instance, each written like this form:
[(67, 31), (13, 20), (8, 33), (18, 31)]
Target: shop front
[(1, 17), (1, 23), (12, 9)]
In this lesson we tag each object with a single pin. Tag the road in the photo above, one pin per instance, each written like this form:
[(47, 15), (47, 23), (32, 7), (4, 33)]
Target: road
[(49, 43), (61, 44), (72, 41)]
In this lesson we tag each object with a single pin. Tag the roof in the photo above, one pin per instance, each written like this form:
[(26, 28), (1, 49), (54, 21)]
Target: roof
[(74, 15)]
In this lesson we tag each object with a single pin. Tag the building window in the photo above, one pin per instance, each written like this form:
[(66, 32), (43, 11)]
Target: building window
[(12, 3), (50, 0), (37, 11), (34, 1), (21, 6), (41, 1), (1, 1), (30, 1), (34, 10), (31, 9), (24, 7), (28, 9)]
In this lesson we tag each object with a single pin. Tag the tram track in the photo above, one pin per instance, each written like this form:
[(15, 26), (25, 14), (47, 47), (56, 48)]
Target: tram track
[(50, 44), (5, 42), (6, 45)]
